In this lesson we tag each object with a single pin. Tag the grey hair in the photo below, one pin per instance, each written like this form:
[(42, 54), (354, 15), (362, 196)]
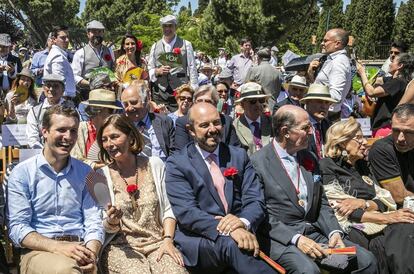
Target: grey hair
[(403, 111), (342, 35), (142, 87), (281, 119), (207, 88)]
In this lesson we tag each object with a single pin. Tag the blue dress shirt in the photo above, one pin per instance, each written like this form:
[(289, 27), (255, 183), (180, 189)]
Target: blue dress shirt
[(50, 203), (38, 62)]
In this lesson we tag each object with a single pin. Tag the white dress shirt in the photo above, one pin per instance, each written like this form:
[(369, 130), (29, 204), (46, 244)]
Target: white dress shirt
[(336, 73), (57, 63)]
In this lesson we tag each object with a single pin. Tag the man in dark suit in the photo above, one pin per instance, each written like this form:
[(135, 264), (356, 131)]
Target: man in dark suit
[(10, 65), (253, 128), (299, 217), (158, 130), (205, 94), (317, 102), (216, 215), (296, 90)]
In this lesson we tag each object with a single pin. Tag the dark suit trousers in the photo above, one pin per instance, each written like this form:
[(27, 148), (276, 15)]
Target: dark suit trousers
[(224, 255), (295, 261)]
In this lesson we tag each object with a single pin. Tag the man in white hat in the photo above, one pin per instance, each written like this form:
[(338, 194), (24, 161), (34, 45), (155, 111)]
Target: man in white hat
[(253, 128), (10, 65), (296, 90), (57, 61), (205, 73), (166, 76), (317, 102), (53, 88), (39, 59), (93, 55)]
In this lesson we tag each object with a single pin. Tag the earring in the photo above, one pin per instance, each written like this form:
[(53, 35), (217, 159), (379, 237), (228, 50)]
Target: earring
[(344, 153), (286, 135)]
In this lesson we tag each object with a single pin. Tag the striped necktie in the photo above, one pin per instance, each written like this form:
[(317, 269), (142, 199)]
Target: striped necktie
[(147, 150)]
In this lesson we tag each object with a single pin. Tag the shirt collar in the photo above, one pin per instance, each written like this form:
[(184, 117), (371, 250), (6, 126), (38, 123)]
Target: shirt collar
[(251, 121), (64, 52), (282, 152), (172, 41), (333, 55), (42, 162), (205, 154)]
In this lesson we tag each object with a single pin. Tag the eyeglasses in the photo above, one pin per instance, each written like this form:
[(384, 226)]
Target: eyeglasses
[(93, 111), (185, 98), (254, 101), (359, 139), (393, 52), (306, 128)]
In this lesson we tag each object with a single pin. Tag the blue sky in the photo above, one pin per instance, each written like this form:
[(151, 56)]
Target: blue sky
[(194, 3)]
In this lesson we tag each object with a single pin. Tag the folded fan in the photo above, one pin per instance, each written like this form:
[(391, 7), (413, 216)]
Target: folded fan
[(351, 250), (98, 188)]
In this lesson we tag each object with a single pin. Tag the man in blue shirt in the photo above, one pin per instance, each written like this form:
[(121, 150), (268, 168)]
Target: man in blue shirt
[(51, 214), (39, 59)]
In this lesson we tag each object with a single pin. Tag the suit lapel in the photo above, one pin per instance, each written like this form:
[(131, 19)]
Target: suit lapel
[(279, 174), (308, 177), (266, 129), (225, 162), (245, 134), (201, 168)]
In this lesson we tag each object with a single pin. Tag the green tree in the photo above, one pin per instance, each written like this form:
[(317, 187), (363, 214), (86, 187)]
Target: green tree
[(379, 27), (331, 16), (9, 25), (404, 24), (202, 5), (39, 16)]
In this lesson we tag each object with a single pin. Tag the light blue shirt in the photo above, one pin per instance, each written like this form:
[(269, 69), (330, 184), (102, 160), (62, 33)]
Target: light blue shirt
[(57, 63), (50, 203), (155, 145), (38, 62), (239, 65)]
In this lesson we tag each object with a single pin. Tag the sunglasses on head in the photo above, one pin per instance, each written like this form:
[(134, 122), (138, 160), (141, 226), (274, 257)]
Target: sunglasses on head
[(254, 101)]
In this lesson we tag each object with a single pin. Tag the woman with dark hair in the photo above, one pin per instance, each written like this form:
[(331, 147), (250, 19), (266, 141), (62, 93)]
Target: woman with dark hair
[(139, 219), (21, 97), (389, 93), (364, 210), (129, 59)]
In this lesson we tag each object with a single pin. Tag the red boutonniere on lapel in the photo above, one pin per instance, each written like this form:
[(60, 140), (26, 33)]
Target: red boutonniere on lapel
[(107, 57), (176, 51), (309, 164), (230, 172)]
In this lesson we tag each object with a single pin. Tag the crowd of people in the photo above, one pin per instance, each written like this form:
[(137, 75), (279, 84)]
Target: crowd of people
[(208, 163)]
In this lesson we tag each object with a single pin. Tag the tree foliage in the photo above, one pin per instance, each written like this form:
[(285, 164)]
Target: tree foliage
[(404, 24), (9, 25), (331, 16)]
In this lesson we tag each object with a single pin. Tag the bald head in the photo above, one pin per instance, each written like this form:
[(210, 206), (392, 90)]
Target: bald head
[(287, 116), (134, 99), (199, 110)]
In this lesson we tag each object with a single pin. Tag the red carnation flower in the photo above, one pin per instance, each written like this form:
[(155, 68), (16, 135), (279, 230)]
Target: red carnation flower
[(121, 62), (107, 57), (140, 45), (267, 113), (175, 93), (230, 172), (131, 189), (176, 51), (237, 94), (156, 110), (309, 164)]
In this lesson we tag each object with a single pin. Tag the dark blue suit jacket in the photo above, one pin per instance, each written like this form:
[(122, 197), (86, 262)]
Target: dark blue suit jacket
[(195, 201)]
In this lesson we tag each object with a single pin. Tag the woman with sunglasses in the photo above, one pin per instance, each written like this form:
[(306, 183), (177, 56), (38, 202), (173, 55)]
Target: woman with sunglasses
[(364, 210), (21, 98), (389, 93), (184, 97), (130, 57), (139, 222), (99, 106)]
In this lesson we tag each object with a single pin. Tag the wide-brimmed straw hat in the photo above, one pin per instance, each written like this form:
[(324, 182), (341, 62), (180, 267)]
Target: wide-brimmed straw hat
[(251, 90), (318, 92), (102, 98), (298, 81)]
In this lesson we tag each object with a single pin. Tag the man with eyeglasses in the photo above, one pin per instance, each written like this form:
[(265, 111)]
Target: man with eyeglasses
[(206, 94), (397, 47), (300, 219), (53, 89), (392, 158), (166, 78), (335, 72), (253, 128), (317, 102), (57, 61)]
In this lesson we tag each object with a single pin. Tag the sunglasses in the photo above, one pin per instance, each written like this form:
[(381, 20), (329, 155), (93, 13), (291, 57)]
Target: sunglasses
[(394, 52), (93, 111), (254, 101), (185, 98)]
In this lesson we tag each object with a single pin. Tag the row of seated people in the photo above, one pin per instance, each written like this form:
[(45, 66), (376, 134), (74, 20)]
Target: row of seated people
[(209, 207)]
